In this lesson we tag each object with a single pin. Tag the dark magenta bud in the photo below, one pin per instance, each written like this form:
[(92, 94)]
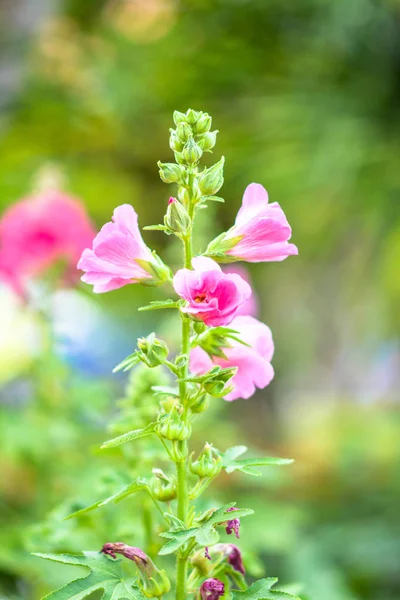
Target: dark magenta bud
[(212, 589)]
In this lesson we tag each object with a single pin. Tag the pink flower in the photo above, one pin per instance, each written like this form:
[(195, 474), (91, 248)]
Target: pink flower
[(249, 308), (260, 233), (119, 255), (37, 232), (212, 296), (253, 361)]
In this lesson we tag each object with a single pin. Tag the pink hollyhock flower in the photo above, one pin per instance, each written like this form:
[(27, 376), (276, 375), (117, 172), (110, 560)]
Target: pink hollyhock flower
[(119, 255), (250, 307), (253, 361), (37, 232), (260, 233), (213, 297)]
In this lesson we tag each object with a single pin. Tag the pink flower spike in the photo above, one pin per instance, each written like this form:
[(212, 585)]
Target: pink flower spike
[(212, 296), (260, 233), (253, 361), (119, 255)]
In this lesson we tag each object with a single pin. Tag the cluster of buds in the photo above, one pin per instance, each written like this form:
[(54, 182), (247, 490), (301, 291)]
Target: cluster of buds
[(162, 487), (208, 463), (192, 136), (154, 583), (172, 427)]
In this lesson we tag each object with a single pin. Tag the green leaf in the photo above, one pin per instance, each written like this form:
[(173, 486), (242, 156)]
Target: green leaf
[(261, 590), (165, 390), (246, 465), (104, 574), (158, 304), (177, 538), (207, 534), (128, 362), (131, 435), (126, 491), (214, 199)]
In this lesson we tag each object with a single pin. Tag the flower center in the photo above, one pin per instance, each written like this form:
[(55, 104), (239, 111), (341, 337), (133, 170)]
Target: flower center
[(200, 298)]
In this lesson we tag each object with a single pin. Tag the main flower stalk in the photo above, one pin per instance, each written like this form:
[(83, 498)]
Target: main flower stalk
[(181, 466)]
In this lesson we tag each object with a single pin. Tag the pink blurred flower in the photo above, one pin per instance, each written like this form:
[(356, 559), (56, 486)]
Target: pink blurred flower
[(37, 232), (260, 233), (119, 255), (212, 296), (250, 307), (253, 361)]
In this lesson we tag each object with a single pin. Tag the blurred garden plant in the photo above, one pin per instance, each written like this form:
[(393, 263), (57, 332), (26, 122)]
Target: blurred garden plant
[(224, 353)]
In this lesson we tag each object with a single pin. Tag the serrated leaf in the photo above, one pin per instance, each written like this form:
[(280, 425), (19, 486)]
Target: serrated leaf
[(158, 304), (261, 590), (207, 535), (177, 538), (246, 465), (175, 522), (104, 574), (126, 491), (130, 436), (165, 390)]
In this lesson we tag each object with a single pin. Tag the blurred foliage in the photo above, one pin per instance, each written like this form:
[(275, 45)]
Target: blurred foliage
[(306, 98)]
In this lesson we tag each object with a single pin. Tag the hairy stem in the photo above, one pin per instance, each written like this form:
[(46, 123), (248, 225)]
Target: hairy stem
[(181, 467)]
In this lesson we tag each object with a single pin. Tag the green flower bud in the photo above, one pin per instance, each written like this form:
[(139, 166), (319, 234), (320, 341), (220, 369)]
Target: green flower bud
[(207, 465), (173, 428), (174, 142), (217, 385), (155, 586), (183, 195), (170, 172), (199, 327), (184, 132), (179, 117), (191, 153), (203, 124), (192, 116), (206, 141), (212, 179), (153, 351), (179, 158), (162, 487), (177, 218), (199, 405)]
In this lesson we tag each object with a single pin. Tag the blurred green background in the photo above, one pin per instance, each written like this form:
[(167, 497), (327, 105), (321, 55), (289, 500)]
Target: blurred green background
[(306, 98)]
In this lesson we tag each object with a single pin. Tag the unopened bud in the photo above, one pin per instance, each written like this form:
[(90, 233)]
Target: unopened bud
[(183, 195), (162, 487), (184, 132), (203, 124), (177, 218), (170, 172), (212, 179), (207, 465), (152, 350), (206, 141), (192, 116), (179, 117), (174, 142), (218, 385), (199, 404), (173, 428), (191, 153), (212, 589)]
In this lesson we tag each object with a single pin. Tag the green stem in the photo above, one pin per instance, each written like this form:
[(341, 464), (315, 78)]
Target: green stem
[(181, 466)]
